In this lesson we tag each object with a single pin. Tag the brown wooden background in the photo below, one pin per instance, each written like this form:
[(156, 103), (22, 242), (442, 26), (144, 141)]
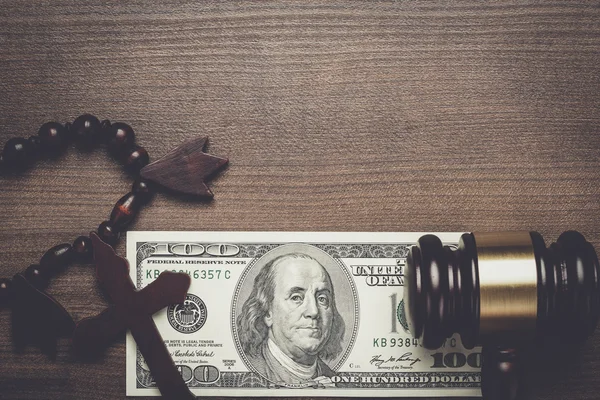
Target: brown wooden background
[(337, 116)]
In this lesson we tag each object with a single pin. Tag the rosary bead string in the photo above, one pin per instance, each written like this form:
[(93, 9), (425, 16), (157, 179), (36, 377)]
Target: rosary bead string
[(53, 139)]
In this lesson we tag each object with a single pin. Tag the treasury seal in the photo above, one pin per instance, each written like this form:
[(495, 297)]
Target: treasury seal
[(188, 317)]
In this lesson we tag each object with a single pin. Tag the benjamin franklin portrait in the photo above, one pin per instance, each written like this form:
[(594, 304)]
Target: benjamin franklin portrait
[(289, 326)]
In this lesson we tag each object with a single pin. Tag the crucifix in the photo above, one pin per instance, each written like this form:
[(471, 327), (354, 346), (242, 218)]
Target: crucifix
[(133, 310), (184, 170)]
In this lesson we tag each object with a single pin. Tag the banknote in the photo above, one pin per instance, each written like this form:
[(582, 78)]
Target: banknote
[(293, 314)]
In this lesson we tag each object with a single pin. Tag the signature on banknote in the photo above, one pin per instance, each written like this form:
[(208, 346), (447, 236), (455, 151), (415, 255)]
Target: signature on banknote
[(388, 363), (192, 353)]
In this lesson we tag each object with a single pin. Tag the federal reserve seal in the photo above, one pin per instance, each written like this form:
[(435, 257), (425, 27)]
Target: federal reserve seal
[(188, 317)]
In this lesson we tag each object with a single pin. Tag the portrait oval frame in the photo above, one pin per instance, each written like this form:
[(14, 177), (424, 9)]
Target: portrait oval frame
[(343, 286)]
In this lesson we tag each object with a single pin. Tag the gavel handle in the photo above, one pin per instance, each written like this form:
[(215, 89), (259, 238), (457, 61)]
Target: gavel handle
[(500, 373)]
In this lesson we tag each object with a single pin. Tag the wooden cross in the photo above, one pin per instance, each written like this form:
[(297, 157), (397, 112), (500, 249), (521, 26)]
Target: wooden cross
[(133, 309), (185, 169)]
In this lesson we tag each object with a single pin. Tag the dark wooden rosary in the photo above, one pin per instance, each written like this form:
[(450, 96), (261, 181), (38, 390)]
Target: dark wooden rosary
[(502, 291), (37, 318)]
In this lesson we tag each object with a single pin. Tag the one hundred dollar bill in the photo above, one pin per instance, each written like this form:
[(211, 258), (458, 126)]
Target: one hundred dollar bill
[(310, 314)]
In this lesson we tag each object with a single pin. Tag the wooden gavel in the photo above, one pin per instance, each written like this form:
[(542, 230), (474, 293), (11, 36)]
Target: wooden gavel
[(502, 291)]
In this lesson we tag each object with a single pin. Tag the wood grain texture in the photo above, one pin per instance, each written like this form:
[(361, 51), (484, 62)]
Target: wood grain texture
[(349, 116)]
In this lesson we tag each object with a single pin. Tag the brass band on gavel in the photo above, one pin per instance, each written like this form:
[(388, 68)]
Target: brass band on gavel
[(507, 284)]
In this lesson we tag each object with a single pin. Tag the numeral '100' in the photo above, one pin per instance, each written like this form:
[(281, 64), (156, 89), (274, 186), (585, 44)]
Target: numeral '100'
[(456, 360)]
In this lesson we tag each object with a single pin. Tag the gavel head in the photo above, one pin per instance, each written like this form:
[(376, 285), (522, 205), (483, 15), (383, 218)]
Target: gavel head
[(502, 289)]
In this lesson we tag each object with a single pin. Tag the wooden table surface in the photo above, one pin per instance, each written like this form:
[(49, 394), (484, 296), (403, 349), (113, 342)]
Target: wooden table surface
[(336, 116)]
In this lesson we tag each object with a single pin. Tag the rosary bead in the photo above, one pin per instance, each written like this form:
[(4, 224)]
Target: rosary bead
[(82, 246), (137, 159), (143, 189), (86, 128), (69, 129), (125, 211), (18, 152), (105, 126), (36, 145), (6, 291), (36, 142), (35, 276), (108, 233), (56, 258), (121, 138), (54, 137)]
